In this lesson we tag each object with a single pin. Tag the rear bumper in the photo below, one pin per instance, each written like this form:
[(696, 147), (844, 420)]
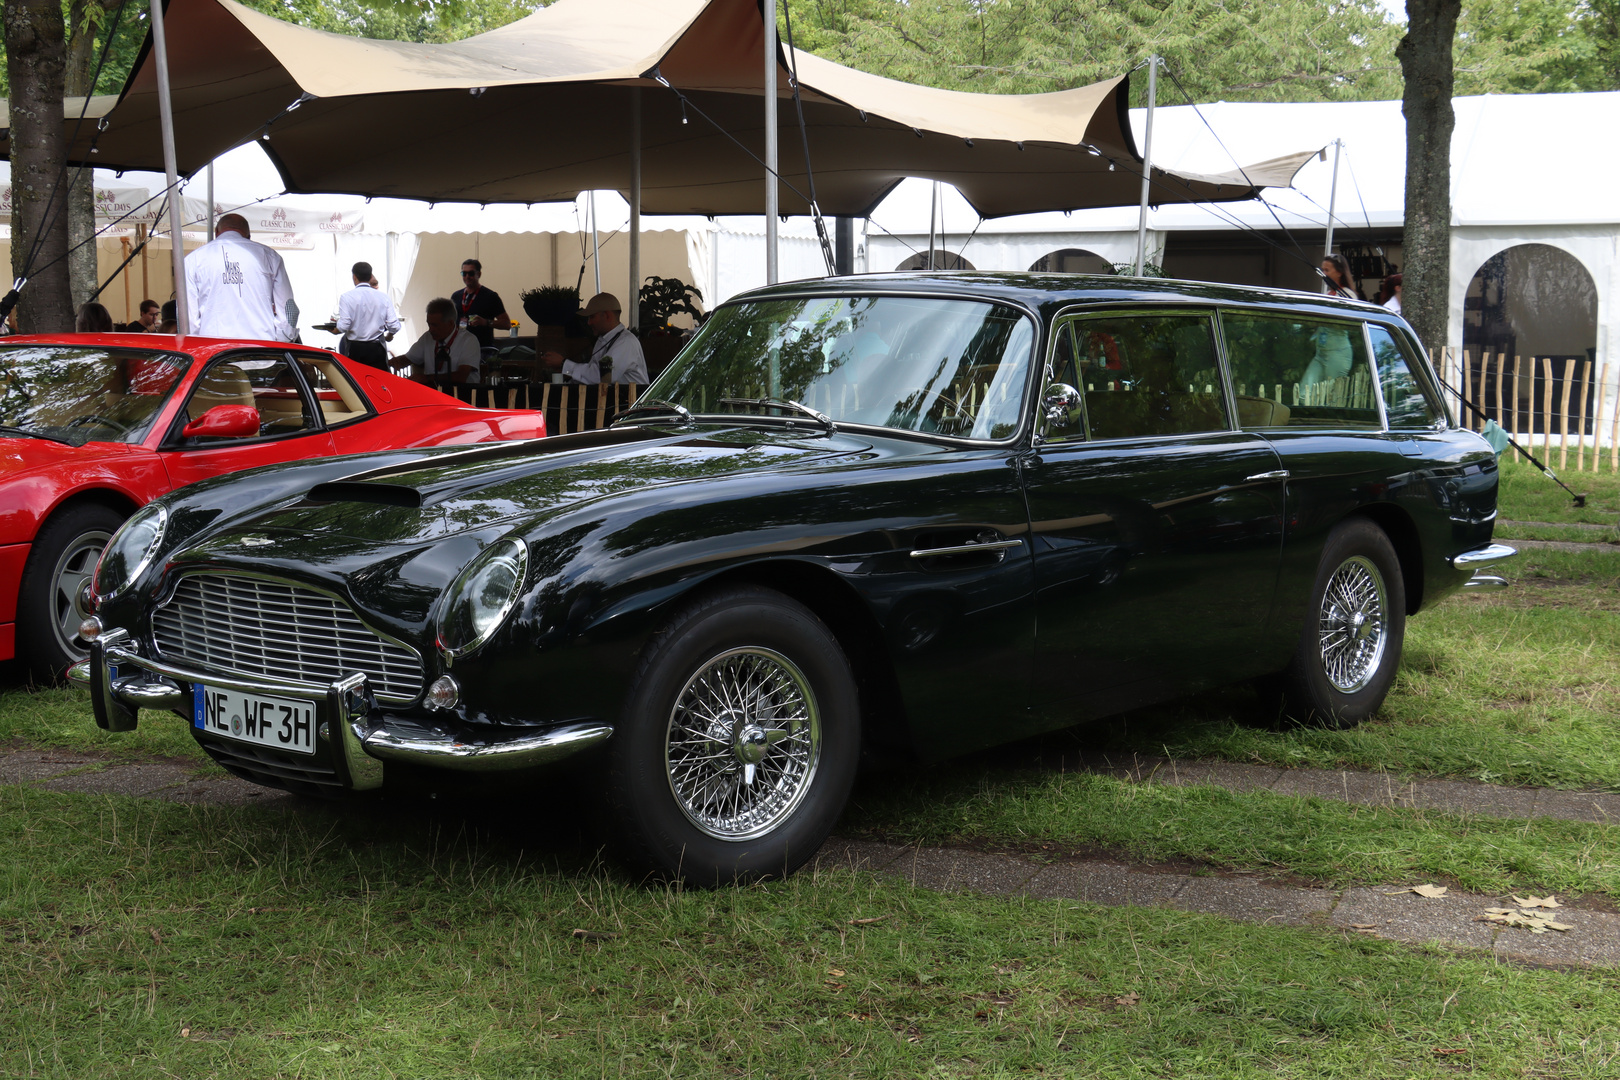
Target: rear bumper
[(1477, 559), (355, 736)]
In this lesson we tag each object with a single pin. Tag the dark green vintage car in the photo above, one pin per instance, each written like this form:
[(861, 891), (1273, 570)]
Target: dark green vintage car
[(922, 513)]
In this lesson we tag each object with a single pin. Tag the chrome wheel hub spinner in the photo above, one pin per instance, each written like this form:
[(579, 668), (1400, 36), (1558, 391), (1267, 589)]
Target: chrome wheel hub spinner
[(743, 742), (1353, 624)]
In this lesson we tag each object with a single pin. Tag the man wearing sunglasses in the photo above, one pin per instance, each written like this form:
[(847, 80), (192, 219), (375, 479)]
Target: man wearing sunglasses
[(479, 309)]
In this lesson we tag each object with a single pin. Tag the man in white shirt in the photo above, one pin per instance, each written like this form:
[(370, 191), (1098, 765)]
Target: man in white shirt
[(616, 356), (446, 351), (237, 288), (367, 318)]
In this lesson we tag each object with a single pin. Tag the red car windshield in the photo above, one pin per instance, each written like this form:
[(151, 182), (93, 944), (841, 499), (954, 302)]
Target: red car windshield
[(76, 394)]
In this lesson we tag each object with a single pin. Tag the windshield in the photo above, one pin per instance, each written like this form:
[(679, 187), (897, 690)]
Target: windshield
[(76, 394), (955, 367)]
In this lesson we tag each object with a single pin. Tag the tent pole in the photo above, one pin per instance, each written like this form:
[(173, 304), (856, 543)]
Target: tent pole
[(209, 213), (844, 250), (933, 223), (596, 246), (1147, 165), (160, 51), (769, 10), (632, 308), (1333, 199)]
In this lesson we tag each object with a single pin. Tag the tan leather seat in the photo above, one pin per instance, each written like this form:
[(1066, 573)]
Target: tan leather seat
[(222, 384)]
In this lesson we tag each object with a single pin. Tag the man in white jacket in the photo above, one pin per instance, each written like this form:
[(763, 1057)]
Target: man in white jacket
[(237, 288)]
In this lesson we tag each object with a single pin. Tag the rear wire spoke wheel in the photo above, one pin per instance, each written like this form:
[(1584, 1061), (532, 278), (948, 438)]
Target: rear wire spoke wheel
[(1350, 645), (738, 744)]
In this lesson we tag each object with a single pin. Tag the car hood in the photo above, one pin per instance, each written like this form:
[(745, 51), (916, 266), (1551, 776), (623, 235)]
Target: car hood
[(425, 500)]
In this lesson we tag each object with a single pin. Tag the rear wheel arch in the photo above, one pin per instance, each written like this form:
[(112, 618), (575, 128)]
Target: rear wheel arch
[(1403, 536)]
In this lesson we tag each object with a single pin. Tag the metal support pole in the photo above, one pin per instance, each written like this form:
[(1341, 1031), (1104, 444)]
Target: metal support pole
[(933, 223), (1333, 200), (596, 246), (632, 303), (771, 150), (1147, 165), (209, 213), (844, 245), (160, 49)]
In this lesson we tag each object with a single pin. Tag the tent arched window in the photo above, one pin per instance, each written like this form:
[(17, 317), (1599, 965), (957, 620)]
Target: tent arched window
[(1534, 306), (1071, 261), (943, 260)]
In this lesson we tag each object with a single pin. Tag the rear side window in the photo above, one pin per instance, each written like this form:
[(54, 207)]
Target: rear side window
[(1147, 375), (1404, 401), (1299, 373)]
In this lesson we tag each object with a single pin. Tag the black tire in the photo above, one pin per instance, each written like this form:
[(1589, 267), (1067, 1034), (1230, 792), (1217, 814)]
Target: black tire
[(49, 603), (1350, 645), (684, 800)]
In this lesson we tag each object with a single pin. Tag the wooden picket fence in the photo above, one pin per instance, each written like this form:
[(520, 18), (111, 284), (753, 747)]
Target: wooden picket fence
[(568, 407), (1548, 404)]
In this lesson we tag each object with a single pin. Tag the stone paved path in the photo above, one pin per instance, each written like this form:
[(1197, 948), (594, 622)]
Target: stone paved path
[(1378, 911)]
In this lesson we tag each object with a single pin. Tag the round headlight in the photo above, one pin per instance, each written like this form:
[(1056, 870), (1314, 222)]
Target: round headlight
[(129, 552), (481, 597)]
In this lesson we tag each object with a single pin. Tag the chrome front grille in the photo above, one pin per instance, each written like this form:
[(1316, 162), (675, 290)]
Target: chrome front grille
[(242, 625)]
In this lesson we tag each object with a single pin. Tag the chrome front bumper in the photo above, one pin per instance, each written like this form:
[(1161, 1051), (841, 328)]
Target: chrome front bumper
[(360, 736), (1489, 555)]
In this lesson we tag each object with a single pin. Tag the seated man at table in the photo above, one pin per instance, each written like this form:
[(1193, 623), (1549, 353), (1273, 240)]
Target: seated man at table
[(446, 353), (616, 354)]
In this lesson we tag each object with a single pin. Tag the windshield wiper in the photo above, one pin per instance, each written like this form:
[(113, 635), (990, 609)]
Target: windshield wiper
[(654, 405), (783, 403), (25, 433)]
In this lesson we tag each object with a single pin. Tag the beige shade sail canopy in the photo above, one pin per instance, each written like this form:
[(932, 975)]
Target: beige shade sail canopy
[(539, 110)]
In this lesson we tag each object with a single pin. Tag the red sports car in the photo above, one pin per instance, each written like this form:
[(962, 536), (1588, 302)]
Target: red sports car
[(93, 426)]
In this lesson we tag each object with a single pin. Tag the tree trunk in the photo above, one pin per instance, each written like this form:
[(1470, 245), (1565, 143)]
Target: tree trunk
[(35, 59), (1425, 56), (82, 51)]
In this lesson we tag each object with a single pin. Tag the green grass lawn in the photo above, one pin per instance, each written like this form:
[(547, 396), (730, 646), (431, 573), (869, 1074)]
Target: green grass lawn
[(1527, 495), (150, 940)]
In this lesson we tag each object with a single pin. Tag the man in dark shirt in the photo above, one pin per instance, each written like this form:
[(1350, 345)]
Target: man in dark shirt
[(479, 309)]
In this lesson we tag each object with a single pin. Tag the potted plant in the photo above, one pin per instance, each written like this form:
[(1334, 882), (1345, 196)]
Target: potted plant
[(551, 305), (662, 299)]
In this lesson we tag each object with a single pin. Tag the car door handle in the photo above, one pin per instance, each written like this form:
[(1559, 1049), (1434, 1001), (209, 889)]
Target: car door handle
[(1274, 474), (965, 549)]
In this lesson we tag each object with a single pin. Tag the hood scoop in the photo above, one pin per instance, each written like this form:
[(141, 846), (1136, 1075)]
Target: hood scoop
[(366, 491)]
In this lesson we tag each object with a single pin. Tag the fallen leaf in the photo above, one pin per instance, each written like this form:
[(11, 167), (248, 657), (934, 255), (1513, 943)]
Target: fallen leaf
[(185, 1033), (1451, 1050), (1129, 999), (1432, 892), (1537, 902), (867, 922), (594, 935), (1530, 920), (835, 973)]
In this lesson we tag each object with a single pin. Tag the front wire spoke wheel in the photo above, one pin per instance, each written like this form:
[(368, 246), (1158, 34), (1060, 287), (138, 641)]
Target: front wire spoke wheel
[(1355, 609), (743, 743)]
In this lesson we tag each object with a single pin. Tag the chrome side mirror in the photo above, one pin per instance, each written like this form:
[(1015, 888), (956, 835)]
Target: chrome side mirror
[(1060, 407)]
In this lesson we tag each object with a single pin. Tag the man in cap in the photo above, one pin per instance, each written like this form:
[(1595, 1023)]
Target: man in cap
[(616, 356), (237, 288)]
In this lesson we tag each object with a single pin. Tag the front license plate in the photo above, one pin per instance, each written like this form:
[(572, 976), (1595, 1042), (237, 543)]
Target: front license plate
[(279, 723)]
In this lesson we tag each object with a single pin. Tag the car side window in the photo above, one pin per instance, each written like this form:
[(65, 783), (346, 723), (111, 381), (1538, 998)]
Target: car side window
[(1146, 375), (1290, 373), (335, 393), (1404, 401), (264, 381)]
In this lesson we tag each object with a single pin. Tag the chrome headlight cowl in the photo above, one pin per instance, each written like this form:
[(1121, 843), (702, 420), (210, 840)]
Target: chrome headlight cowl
[(482, 596), (129, 553)]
